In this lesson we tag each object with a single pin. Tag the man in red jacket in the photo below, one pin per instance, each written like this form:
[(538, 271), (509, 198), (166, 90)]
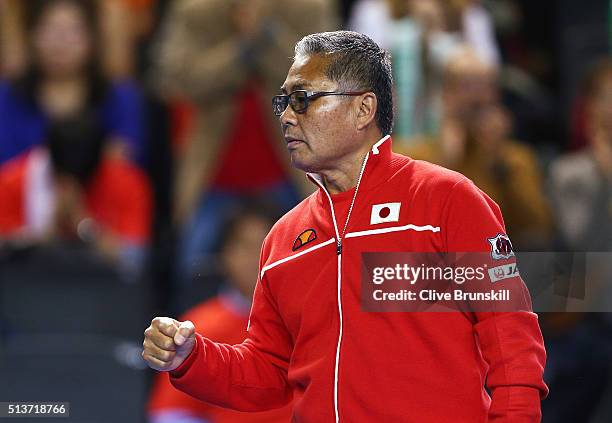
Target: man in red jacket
[(309, 337)]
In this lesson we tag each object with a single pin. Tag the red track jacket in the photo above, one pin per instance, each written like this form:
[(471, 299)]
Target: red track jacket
[(309, 337)]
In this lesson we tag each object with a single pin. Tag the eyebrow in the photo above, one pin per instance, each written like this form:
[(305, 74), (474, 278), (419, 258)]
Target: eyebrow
[(300, 84)]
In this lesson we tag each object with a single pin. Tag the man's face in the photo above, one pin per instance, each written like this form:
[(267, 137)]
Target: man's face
[(322, 136)]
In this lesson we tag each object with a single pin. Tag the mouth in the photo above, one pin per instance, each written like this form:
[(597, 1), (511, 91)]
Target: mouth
[(292, 142)]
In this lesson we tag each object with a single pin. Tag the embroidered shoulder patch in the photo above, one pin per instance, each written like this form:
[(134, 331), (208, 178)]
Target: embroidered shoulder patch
[(501, 247), (304, 238)]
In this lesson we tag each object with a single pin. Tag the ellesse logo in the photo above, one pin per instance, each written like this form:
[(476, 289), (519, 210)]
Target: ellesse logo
[(304, 238)]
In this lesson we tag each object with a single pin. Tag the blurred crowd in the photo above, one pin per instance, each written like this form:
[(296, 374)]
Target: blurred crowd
[(141, 131)]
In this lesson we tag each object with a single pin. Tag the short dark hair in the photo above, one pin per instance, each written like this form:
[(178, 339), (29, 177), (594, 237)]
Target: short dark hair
[(37, 8), (249, 206), (75, 145), (356, 62)]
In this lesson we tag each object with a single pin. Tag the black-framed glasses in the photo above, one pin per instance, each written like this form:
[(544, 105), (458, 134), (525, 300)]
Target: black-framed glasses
[(300, 99)]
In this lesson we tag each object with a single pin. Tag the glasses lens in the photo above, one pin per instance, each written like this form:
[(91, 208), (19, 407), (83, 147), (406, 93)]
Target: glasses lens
[(299, 101), (279, 104)]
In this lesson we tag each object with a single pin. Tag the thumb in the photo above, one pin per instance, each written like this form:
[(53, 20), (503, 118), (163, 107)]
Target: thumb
[(185, 331)]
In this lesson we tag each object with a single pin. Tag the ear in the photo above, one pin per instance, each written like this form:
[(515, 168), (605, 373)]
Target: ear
[(367, 110)]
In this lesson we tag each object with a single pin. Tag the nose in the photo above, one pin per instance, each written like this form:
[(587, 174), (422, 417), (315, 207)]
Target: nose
[(288, 117)]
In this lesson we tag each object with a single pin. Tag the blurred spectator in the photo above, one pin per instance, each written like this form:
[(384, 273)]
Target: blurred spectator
[(228, 58), (12, 44), (224, 318), (124, 24), (474, 140), (372, 18), (422, 35), (478, 31), (580, 345), (421, 42), (64, 79), (581, 183), (65, 134), (67, 190)]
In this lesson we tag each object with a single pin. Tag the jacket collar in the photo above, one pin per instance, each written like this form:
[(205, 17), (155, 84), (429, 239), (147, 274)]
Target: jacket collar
[(377, 169)]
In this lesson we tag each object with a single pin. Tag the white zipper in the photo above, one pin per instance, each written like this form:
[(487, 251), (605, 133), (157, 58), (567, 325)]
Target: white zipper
[(339, 255), (339, 238)]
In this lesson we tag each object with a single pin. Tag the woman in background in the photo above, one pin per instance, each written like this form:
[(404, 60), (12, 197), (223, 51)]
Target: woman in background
[(63, 79), (69, 142)]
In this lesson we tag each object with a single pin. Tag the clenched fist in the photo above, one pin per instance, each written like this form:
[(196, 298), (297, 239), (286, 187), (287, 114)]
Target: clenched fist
[(167, 343)]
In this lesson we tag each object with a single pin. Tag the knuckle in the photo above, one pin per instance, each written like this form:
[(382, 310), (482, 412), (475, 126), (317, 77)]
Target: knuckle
[(167, 356), (164, 325), (160, 322)]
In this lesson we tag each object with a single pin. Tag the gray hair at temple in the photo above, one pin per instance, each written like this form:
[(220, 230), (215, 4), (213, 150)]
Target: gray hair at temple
[(356, 63)]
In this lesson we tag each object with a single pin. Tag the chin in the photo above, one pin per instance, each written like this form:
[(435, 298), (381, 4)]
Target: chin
[(301, 164)]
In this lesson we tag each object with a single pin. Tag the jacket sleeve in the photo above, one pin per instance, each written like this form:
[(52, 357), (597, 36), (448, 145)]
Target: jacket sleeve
[(251, 376), (511, 343)]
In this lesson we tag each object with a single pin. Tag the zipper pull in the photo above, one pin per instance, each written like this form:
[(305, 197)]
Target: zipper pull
[(339, 248)]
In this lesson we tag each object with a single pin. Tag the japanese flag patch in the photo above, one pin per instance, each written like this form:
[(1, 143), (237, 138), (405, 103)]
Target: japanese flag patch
[(383, 213)]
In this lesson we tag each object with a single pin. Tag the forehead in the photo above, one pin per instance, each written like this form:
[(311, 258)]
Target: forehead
[(307, 72), (61, 10)]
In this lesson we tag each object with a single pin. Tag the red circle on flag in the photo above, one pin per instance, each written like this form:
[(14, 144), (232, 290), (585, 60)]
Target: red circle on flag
[(384, 212)]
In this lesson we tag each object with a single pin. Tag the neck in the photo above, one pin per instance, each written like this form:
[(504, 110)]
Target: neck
[(344, 176), (64, 81), (62, 97)]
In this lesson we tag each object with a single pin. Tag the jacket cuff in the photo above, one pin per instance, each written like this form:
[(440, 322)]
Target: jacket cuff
[(515, 404), (191, 358)]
